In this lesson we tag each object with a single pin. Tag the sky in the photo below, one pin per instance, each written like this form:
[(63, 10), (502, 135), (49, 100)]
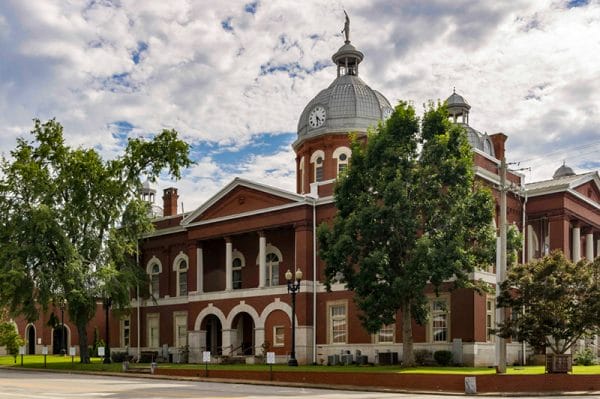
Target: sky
[(233, 77)]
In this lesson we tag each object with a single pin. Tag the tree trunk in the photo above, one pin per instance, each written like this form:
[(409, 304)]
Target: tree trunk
[(408, 356), (84, 356)]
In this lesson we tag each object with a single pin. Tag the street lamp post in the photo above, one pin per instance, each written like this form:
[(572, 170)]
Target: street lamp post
[(107, 303), (63, 351), (293, 286)]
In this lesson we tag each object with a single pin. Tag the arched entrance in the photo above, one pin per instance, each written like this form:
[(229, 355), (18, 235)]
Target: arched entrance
[(59, 340), (30, 340), (214, 334), (243, 337)]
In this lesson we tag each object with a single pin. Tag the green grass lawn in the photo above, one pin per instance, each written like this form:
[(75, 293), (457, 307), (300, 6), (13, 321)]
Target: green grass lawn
[(65, 363)]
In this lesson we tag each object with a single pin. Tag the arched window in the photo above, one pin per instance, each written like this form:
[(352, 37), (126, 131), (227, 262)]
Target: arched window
[(342, 155), (318, 161), (181, 266), (273, 269), (153, 269), (238, 263)]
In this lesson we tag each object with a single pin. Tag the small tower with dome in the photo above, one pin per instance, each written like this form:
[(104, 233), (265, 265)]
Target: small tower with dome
[(348, 105)]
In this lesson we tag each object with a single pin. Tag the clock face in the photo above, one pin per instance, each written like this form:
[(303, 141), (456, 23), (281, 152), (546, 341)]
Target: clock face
[(316, 118), (386, 112)]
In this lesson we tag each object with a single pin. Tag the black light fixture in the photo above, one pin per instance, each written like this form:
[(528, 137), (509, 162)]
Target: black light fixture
[(107, 303), (293, 286)]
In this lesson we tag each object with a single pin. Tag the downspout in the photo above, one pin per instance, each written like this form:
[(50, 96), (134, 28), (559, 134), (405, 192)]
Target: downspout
[(137, 293), (523, 259), (314, 313)]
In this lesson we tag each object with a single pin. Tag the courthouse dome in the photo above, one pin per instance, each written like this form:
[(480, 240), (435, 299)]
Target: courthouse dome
[(347, 105)]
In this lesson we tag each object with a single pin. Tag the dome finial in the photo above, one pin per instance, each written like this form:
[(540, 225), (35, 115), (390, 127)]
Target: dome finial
[(346, 30)]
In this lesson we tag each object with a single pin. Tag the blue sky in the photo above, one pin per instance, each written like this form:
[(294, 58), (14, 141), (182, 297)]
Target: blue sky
[(234, 77)]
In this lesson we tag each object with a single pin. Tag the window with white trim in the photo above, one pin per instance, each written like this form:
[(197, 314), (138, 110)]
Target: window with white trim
[(318, 160), (386, 334), (180, 324), (153, 270), (272, 269), (153, 330), (301, 168), (125, 332), (489, 319), (342, 157), (439, 320), (337, 323), (278, 336), (237, 264), (182, 271)]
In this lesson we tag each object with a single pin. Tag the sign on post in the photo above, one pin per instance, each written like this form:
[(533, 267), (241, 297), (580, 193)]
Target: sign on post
[(72, 351), (270, 357), (44, 350), (100, 351), (206, 357), (21, 350)]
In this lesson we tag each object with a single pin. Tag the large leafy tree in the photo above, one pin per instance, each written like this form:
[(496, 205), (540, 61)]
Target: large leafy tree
[(69, 221), (409, 213), (554, 301)]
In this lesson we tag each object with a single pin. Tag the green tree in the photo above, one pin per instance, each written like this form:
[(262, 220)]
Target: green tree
[(407, 217), (69, 221), (554, 301), (10, 338)]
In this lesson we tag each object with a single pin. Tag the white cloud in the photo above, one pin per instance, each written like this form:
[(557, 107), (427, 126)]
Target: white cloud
[(528, 68)]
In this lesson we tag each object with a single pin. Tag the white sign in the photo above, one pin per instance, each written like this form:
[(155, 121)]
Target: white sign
[(270, 357), (21, 350), (206, 356), (44, 350), (72, 351), (101, 351)]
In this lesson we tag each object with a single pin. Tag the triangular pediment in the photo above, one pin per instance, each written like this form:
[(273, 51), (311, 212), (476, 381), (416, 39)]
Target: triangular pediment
[(242, 197)]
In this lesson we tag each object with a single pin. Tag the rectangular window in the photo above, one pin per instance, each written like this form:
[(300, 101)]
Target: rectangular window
[(180, 323), (342, 167), (489, 320), (272, 275), (237, 279), (278, 336), (319, 173), (125, 332), (439, 320), (153, 330), (386, 334), (183, 291), (154, 287), (337, 323)]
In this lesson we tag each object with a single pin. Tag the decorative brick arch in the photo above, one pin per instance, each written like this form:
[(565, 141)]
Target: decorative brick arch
[(273, 306), (242, 307), (209, 310)]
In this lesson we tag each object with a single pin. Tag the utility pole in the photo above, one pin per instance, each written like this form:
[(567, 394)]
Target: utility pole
[(501, 267)]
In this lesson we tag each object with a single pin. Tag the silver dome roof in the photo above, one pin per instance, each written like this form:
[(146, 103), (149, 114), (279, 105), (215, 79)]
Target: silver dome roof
[(350, 106), (563, 171)]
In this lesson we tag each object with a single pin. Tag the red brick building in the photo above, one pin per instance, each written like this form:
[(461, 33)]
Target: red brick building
[(217, 273)]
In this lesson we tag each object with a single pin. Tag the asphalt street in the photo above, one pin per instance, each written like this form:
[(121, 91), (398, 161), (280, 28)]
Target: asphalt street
[(51, 385)]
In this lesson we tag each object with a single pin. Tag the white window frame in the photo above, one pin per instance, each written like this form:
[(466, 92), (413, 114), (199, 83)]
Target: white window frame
[(154, 276), (388, 330), (331, 319), (443, 311), (313, 160), (490, 320), (276, 342), (181, 257), (339, 162), (237, 255), (125, 325), (272, 268), (152, 318), (180, 320)]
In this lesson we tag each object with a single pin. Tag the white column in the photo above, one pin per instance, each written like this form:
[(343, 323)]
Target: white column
[(530, 241), (589, 246), (576, 250), (262, 261), (228, 265), (259, 340), (228, 341), (199, 270)]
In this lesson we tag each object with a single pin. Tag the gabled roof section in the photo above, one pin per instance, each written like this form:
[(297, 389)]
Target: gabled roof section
[(566, 183), (242, 196)]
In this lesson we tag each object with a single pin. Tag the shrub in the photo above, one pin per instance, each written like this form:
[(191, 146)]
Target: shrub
[(422, 357), (585, 358), (118, 357), (443, 358)]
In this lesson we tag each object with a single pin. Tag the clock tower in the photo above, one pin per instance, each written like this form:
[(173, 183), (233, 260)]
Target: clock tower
[(347, 106)]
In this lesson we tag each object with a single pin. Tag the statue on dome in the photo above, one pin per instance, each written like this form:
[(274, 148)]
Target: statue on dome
[(346, 30)]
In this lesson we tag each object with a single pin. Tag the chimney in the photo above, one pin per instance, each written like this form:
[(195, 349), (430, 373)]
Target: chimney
[(170, 201), (498, 140)]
